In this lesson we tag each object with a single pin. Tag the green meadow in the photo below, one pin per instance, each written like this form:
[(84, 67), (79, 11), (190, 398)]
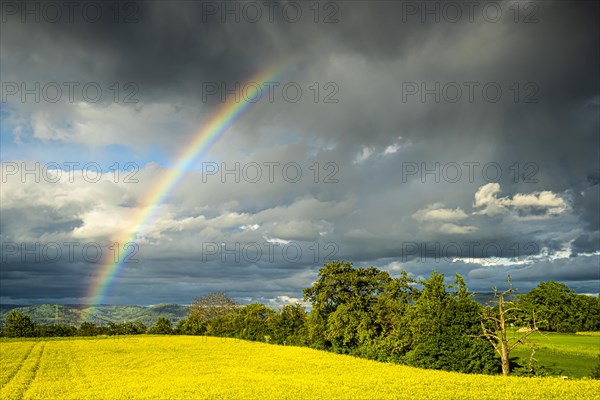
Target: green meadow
[(564, 354)]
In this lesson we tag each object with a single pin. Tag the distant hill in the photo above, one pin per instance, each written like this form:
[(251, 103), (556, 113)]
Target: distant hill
[(74, 314), (483, 297)]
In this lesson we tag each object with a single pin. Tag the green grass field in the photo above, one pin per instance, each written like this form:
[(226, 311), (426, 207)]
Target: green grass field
[(562, 354)]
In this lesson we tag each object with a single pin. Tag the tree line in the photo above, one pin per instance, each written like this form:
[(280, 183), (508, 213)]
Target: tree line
[(367, 313)]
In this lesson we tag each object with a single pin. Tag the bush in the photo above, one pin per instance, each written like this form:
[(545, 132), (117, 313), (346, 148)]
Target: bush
[(55, 330), (190, 326), (88, 329), (126, 328), (163, 326)]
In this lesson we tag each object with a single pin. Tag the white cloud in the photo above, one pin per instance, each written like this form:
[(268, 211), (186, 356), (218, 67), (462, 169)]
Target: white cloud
[(436, 212), (457, 229), (530, 204), (368, 152), (363, 156), (97, 125), (249, 227), (230, 220), (277, 240), (104, 221), (395, 266), (486, 197), (296, 230), (391, 149), (285, 300), (545, 199)]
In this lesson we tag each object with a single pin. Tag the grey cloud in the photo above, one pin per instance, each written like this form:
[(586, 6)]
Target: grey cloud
[(551, 145)]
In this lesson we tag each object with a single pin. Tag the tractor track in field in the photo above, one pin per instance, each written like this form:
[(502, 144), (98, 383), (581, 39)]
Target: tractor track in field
[(21, 363), (34, 369), (27, 372)]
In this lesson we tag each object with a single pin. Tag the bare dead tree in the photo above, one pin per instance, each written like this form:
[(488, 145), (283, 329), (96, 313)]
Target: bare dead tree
[(494, 323), (212, 306)]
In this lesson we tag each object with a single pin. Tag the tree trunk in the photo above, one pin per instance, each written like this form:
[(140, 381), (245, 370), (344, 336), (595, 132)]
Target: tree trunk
[(505, 349), (505, 359)]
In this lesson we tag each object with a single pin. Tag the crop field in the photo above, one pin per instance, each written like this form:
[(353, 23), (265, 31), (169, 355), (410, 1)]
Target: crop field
[(204, 367), (563, 354)]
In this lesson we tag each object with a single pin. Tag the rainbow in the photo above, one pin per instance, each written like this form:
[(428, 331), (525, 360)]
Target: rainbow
[(202, 141)]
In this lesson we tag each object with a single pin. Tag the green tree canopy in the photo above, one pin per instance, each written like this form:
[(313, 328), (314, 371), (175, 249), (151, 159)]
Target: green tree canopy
[(18, 325), (163, 326), (557, 308)]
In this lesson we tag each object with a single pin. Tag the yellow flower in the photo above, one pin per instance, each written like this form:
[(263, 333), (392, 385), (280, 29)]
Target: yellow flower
[(193, 367)]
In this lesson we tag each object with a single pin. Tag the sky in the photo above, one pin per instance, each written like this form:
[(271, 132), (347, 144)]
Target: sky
[(461, 137)]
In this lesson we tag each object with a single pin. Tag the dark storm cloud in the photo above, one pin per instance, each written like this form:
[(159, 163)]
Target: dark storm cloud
[(369, 53), (175, 48), (36, 222), (586, 243), (33, 280)]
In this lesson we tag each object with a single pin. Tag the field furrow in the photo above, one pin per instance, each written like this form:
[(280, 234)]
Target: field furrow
[(24, 377), (12, 360)]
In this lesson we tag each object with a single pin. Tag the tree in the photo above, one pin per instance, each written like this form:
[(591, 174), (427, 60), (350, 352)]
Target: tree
[(316, 325), (586, 313), (211, 306), (442, 324), (163, 326), (190, 326), (563, 310), (126, 328), (139, 327), (339, 282), (552, 302), (342, 300), (18, 325), (495, 322), (54, 330), (87, 329), (428, 325), (289, 325), (253, 322), (391, 310)]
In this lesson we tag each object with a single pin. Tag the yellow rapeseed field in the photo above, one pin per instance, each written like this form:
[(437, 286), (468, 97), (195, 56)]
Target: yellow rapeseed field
[(180, 367)]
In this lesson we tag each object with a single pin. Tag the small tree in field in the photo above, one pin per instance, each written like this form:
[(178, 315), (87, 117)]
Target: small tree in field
[(495, 322)]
